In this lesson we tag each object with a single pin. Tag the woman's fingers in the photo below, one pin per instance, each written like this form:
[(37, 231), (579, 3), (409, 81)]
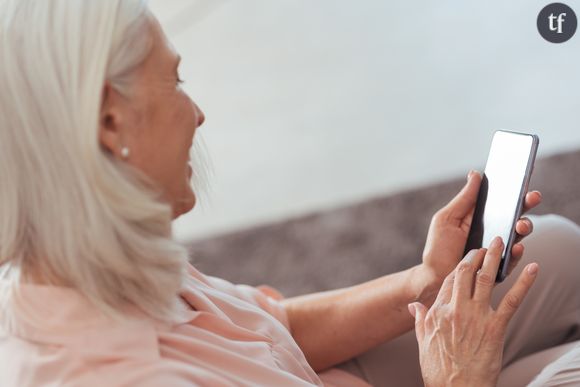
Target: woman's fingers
[(464, 275), (517, 253), (532, 200), (514, 297), (446, 290), (524, 227), (485, 279)]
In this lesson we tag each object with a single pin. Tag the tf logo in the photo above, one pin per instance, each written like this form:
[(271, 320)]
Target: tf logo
[(557, 22)]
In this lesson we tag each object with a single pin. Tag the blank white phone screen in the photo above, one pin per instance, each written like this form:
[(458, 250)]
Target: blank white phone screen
[(504, 177)]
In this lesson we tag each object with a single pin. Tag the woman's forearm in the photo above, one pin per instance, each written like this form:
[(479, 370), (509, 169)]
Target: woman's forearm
[(333, 326)]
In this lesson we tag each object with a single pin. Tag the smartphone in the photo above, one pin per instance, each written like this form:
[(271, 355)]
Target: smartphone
[(502, 193)]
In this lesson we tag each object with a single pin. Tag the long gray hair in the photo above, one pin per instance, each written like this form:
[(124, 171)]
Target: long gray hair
[(67, 208)]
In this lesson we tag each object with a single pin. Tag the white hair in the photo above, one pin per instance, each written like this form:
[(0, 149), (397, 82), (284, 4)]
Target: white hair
[(68, 208)]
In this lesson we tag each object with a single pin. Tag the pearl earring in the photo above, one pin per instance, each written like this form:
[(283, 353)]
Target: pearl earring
[(125, 152)]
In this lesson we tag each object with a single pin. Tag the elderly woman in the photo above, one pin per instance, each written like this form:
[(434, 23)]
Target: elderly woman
[(95, 136)]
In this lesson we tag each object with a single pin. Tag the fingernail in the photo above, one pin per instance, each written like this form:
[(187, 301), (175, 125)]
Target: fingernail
[(412, 309), (496, 242), (469, 256), (532, 268), (539, 193), (472, 173)]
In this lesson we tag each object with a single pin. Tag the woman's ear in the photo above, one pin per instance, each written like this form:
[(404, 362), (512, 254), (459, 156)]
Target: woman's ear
[(112, 121)]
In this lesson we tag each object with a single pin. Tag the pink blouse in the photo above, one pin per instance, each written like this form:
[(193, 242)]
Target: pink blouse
[(237, 335)]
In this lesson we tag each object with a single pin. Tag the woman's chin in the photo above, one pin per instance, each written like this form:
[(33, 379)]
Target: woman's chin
[(186, 204)]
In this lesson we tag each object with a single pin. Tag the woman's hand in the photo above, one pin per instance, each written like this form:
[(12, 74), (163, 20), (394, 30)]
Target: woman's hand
[(461, 337), (450, 227)]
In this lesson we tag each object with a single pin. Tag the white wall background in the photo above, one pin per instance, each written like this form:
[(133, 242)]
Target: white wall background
[(312, 104)]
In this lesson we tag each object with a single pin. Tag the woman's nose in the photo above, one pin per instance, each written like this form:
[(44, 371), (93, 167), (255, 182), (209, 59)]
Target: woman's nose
[(200, 115)]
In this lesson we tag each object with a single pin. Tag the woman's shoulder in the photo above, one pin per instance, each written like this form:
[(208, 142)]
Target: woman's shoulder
[(55, 332)]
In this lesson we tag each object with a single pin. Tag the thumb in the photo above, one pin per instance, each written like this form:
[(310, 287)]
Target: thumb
[(418, 311), (464, 202)]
